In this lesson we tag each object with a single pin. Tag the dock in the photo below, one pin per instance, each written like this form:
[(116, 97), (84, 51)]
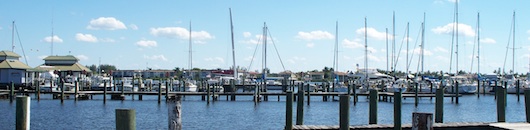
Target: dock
[(437, 126)]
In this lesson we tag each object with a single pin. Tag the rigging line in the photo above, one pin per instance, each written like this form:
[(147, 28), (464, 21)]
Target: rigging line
[(254, 55), (415, 44), (452, 42), (21, 47), (475, 41), (400, 47), (277, 53), (507, 48)]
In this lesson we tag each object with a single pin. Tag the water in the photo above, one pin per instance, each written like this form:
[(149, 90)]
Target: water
[(243, 113)]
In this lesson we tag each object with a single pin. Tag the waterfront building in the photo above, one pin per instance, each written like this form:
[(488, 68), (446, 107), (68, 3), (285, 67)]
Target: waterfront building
[(11, 69)]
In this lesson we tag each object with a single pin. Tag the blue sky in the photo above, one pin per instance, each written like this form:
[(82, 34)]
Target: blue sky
[(154, 34)]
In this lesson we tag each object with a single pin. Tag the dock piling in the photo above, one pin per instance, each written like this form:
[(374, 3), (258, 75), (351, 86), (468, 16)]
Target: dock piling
[(527, 104), (159, 92), (300, 106), (289, 110), (344, 112), (76, 85), (125, 119), (104, 92), (439, 107), (308, 95), (174, 113), (23, 113), (457, 91), (373, 106), (416, 99), (501, 105), (397, 110), (62, 91), (11, 92), (232, 87), (517, 90)]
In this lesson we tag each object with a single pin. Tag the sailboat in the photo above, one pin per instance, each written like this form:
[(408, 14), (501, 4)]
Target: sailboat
[(466, 84), (402, 84), (511, 81), (337, 86)]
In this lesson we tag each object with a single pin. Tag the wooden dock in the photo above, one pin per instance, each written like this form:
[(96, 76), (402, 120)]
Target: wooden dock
[(437, 126)]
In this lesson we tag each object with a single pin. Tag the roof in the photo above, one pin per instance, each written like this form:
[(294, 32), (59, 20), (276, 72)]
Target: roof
[(13, 64), (73, 67), (8, 54), (61, 58)]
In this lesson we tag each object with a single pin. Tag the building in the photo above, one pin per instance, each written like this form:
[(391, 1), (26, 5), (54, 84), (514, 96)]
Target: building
[(64, 65), (11, 69)]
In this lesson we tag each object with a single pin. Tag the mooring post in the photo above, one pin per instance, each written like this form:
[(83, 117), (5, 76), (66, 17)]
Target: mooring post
[(174, 113), (439, 108), (11, 92), (308, 95), (495, 90), (517, 90), (457, 91), (527, 104), (159, 92), (344, 112), (62, 90), (484, 87), (354, 94), (432, 85), (76, 85), (289, 110), (501, 107), (416, 99), (233, 93), (38, 91), (125, 119), (478, 88), (300, 106), (207, 93), (373, 106), (23, 113), (104, 92), (397, 110)]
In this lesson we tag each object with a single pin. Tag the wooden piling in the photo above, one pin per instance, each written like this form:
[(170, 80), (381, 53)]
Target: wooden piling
[(174, 113), (416, 99), (38, 91), (517, 90), (354, 95), (23, 113), (439, 107), (289, 110), (159, 92), (501, 105), (300, 106), (527, 104), (344, 111), (62, 90), (308, 95), (11, 92), (76, 87), (495, 90), (207, 93), (397, 110), (478, 88), (457, 89), (233, 93), (104, 92), (167, 90), (373, 107), (125, 119)]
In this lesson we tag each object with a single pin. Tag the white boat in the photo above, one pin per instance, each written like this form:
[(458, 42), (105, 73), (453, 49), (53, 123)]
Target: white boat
[(126, 84), (400, 85), (466, 85), (99, 83), (511, 84)]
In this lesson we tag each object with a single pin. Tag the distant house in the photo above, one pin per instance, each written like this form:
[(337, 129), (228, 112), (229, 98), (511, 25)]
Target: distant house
[(63, 64), (316, 75), (11, 69)]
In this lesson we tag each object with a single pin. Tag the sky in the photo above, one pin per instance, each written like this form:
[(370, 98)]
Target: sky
[(301, 33)]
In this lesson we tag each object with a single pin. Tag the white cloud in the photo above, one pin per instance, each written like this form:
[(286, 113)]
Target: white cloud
[(373, 33), (82, 57), (181, 33), (56, 39), (215, 59), (488, 40), (371, 50), (156, 57), (146, 43), (463, 29), (442, 58), (247, 34), (133, 26), (440, 49), (106, 23), (374, 58), (314, 35), (310, 45), (352, 44), (296, 59), (256, 40), (107, 40), (86, 37)]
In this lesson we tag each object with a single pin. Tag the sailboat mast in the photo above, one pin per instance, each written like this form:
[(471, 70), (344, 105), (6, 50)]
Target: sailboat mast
[(233, 48), (407, 63), (386, 39), (393, 41), (190, 64), (478, 42), (264, 51), (513, 45), (422, 43), (13, 37), (366, 52), (456, 2), (336, 52)]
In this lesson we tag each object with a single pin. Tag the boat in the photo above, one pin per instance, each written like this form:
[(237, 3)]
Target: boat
[(126, 83), (466, 84), (100, 83)]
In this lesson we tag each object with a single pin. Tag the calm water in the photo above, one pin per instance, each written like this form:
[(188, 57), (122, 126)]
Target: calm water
[(242, 114)]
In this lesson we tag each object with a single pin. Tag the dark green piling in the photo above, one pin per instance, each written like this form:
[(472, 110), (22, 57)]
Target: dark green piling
[(457, 92), (167, 90), (76, 87), (501, 105), (495, 90), (354, 94), (104, 92), (23, 113), (397, 110), (12, 92), (289, 110), (416, 99), (478, 88), (233, 93), (527, 104), (62, 91), (344, 112), (373, 107), (38, 91), (308, 95), (300, 106), (439, 108), (517, 90), (125, 119), (159, 92)]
